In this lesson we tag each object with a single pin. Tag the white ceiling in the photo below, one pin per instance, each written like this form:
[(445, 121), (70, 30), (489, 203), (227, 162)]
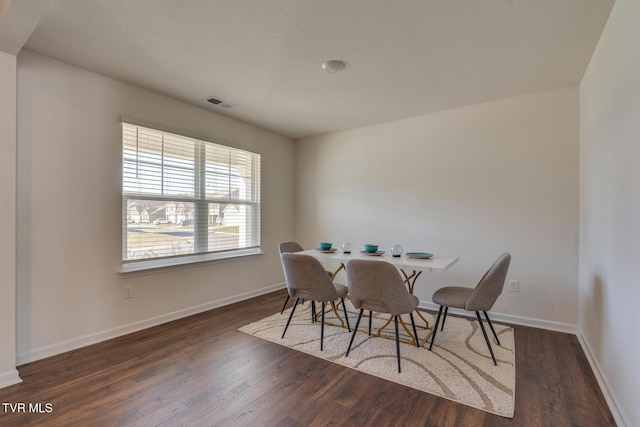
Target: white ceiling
[(403, 58)]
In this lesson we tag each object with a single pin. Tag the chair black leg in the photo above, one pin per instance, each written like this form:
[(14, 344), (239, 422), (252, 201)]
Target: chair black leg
[(322, 327), (285, 304), (415, 332), (435, 328), (346, 316), (370, 320), (444, 319), (353, 335), (290, 316), (395, 318), (486, 338), (491, 326), (313, 312)]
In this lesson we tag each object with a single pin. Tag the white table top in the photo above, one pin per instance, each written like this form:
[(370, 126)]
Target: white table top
[(436, 264)]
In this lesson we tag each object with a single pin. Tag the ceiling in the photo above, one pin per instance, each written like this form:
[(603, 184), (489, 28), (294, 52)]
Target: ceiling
[(403, 58)]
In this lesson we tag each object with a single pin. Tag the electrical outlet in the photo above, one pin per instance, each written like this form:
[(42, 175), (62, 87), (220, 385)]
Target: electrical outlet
[(514, 286), (128, 292)]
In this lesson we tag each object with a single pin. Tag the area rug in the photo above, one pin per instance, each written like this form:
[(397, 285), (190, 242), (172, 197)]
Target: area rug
[(459, 368)]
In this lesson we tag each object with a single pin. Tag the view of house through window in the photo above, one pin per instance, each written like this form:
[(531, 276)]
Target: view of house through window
[(183, 196)]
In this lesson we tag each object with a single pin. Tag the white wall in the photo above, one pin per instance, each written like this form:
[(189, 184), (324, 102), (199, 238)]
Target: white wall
[(69, 210), (473, 182), (8, 373), (610, 208)]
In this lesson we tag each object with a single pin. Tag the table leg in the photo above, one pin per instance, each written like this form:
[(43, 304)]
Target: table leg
[(410, 281), (335, 273)]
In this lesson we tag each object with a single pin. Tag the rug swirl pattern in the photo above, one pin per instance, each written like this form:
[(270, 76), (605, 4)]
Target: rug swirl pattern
[(459, 368)]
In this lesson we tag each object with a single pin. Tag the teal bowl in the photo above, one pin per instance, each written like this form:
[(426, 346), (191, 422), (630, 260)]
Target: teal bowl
[(325, 246), (372, 249)]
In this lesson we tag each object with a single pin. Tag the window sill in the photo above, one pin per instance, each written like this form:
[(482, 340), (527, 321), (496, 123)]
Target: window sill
[(158, 265)]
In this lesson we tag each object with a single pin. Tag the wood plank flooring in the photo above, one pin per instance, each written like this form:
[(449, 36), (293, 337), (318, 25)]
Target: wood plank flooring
[(200, 371)]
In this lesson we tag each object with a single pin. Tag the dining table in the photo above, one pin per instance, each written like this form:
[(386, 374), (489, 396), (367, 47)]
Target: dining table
[(410, 264)]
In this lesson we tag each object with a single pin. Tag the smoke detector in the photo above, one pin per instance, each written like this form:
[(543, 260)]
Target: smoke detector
[(333, 66)]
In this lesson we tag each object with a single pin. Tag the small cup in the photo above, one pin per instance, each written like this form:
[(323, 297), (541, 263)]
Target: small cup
[(346, 247), (325, 246), (371, 248)]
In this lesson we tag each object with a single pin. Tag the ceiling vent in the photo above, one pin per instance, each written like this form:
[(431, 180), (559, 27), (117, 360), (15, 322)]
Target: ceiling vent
[(220, 102)]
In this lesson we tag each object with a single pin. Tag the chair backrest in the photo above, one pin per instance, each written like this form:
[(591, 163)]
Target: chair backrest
[(285, 247), (306, 278), (490, 286), (377, 286)]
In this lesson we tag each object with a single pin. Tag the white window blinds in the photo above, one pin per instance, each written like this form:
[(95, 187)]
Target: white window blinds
[(184, 196)]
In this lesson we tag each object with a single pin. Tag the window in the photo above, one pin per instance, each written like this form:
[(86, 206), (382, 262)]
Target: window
[(182, 196)]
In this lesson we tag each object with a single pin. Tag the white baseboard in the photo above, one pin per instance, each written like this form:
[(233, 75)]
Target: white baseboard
[(614, 406), (514, 320), (10, 378), (61, 347)]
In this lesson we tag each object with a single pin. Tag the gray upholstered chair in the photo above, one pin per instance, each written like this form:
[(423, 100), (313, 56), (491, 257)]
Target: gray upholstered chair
[(288, 247), (377, 286), (480, 298), (306, 278)]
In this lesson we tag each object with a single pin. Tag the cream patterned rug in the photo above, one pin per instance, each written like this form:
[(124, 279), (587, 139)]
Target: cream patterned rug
[(459, 368)]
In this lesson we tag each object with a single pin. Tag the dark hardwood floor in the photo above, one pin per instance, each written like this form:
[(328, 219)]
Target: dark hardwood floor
[(201, 371)]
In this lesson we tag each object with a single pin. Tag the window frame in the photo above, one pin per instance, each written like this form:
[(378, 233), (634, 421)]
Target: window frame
[(201, 203)]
